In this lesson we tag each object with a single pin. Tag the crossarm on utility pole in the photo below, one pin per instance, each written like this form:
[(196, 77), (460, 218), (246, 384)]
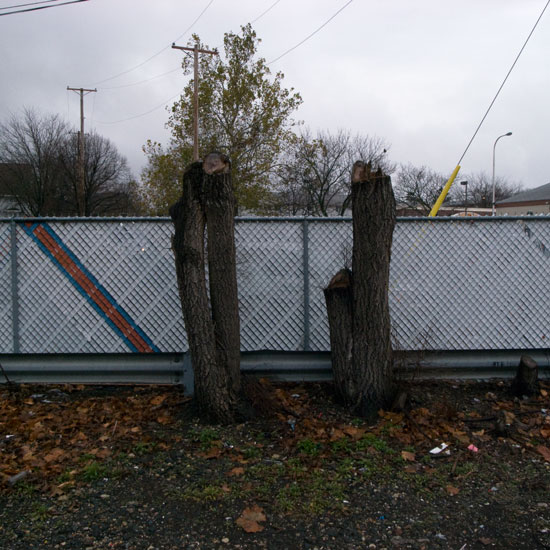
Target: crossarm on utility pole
[(196, 50), (81, 193)]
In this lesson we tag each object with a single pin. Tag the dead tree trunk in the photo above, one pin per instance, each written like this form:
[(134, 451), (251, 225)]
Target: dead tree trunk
[(526, 380), (222, 267), (339, 300), (212, 332), (365, 373)]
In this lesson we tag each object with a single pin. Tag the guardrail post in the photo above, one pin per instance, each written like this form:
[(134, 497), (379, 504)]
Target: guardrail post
[(305, 253), (14, 286)]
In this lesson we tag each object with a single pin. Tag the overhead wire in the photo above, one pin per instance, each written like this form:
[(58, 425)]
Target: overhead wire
[(160, 51), (42, 7), (503, 82), (141, 114), (451, 179), (264, 12), (313, 33), (140, 81), (27, 4)]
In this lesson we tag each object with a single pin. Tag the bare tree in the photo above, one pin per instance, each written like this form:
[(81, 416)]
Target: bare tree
[(29, 149), (107, 178), (420, 187), (480, 189), (314, 178), (39, 156)]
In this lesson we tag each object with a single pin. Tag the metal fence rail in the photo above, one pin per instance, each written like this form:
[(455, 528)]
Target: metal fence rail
[(95, 286)]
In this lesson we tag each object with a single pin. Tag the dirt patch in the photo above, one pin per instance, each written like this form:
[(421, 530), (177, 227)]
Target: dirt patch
[(130, 468)]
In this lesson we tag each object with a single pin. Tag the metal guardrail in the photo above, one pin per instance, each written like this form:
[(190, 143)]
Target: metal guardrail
[(299, 366)]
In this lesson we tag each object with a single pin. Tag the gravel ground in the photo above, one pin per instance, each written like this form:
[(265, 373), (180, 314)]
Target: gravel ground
[(305, 476)]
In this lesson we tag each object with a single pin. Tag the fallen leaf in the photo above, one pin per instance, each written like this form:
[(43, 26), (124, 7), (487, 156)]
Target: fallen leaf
[(158, 400), (452, 490), (509, 417), (237, 471), (485, 541), (164, 419), (406, 455), (213, 452), (54, 455), (354, 433), (544, 451), (249, 519)]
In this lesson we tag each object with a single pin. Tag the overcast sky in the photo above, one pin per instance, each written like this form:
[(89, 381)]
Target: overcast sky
[(418, 74)]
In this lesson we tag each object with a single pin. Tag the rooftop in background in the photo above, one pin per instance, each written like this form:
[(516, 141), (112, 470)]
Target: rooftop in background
[(541, 193)]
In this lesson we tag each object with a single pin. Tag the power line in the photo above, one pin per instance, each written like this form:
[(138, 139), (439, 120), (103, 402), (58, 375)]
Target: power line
[(263, 13), (142, 114), (142, 81), (28, 4), (42, 7), (312, 34), (503, 82), (160, 51)]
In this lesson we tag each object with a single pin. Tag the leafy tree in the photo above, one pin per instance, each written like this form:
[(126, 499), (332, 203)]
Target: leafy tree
[(314, 177), (243, 113), (39, 154), (162, 177)]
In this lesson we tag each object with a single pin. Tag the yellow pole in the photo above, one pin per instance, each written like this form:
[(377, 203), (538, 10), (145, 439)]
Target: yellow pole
[(441, 198)]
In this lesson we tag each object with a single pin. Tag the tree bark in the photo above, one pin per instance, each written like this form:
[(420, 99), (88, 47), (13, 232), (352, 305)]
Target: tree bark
[(222, 267), (373, 212), (216, 378), (526, 380), (362, 359), (339, 300)]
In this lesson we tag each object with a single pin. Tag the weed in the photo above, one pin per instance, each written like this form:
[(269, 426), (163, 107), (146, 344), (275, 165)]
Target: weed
[(205, 436), (144, 447), (340, 446), (24, 488), (370, 440), (94, 471), (202, 493), (86, 457), (251, 453), (309, 447), (40, 513)]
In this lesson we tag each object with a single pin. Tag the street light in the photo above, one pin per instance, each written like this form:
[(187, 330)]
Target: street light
[(465, 183), (494, 147)]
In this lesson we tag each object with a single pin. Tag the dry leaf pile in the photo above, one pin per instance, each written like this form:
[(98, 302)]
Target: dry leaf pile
[(47, 431)]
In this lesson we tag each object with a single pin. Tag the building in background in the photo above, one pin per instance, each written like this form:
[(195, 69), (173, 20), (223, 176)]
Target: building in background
[(527, 203)]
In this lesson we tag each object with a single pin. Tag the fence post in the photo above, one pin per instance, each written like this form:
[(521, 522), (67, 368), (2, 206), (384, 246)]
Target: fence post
[(14, 286), (305, 259)]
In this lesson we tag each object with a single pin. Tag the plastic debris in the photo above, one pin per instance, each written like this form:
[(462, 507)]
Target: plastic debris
[(473, 448), (439, 449), (18, 477)]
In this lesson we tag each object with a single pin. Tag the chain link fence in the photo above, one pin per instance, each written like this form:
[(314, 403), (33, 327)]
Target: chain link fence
[(109, 286)]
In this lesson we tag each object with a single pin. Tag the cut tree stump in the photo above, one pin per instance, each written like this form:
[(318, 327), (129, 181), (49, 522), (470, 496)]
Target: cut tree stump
[(357, 301), (212, 326), (526, 380)]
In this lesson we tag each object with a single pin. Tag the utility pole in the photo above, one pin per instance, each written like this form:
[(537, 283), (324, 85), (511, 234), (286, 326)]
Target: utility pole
[(196, 50), (81, 188)]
